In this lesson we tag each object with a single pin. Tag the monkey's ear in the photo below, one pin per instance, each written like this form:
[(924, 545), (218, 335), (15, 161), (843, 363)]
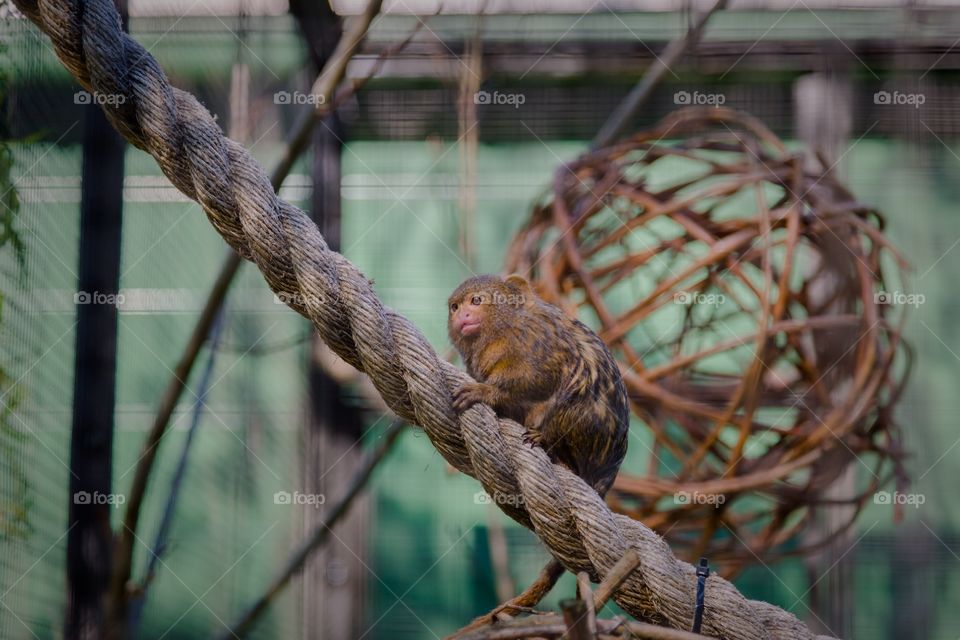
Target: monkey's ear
[(519, 282)]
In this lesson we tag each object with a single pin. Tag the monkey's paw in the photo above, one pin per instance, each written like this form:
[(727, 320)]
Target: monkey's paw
[(532, 439), (471, 394)]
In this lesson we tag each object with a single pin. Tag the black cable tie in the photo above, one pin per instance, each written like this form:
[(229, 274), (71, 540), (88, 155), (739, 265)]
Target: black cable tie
[(703, 570)]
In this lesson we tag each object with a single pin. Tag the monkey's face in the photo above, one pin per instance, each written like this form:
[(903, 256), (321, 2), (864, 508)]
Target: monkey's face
[(483, 306), (467, 314)]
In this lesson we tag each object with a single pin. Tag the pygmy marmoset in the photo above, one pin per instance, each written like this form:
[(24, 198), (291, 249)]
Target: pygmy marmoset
[(547, 371)]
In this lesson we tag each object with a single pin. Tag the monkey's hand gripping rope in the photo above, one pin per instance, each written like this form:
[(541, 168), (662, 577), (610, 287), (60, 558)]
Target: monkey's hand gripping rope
[(234, 191)]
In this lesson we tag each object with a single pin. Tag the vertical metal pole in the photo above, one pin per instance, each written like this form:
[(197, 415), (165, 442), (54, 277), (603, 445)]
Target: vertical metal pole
[(91, 440), (333, 585)]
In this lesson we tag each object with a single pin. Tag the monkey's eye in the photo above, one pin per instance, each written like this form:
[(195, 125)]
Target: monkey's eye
[(476, 300), (454, 307)]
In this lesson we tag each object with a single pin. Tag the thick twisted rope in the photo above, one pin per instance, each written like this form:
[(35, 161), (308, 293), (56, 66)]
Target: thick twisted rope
[(568, 516)]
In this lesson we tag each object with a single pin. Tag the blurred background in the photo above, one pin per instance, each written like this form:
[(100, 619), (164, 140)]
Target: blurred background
[(423, 184)]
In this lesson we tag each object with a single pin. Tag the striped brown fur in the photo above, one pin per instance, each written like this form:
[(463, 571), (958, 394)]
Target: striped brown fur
[(547, 371)]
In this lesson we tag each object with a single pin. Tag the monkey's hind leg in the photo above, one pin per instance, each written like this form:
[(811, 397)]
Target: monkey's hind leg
[(533, 423), (557, 431)]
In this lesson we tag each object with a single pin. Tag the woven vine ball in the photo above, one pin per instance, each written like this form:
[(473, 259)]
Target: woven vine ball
[(747, 299)]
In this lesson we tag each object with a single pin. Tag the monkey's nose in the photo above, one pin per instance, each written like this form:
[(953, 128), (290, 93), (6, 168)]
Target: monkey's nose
[(467, 324)]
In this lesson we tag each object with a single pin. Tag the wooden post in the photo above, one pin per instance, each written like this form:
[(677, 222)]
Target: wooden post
[(824, 117), (334, 578), (576, 620), (91, 501)]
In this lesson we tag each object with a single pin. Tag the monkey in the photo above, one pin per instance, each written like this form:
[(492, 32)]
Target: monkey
[(535, 365)]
